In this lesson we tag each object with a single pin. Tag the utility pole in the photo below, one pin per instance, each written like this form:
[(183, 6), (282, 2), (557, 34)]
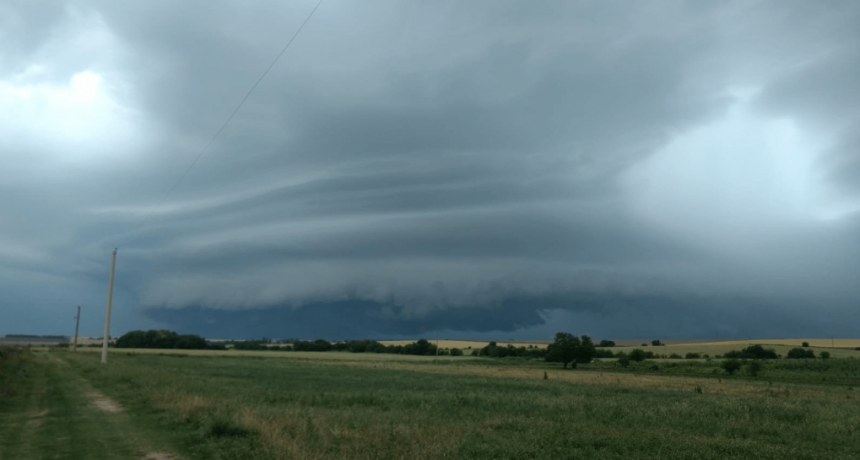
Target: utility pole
[(107, 315), (77, 323), (437, 342)]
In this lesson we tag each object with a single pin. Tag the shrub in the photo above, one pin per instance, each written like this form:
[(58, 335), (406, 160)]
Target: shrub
[(825, 355), (752, 352), (623, 359), (754, 367), (800, 353), (731, 366), (222, 428), (675, 356), (656, 343), (692, 356), (606, 343), (637, 355), (601, 353), (805, 345), (456, 352)]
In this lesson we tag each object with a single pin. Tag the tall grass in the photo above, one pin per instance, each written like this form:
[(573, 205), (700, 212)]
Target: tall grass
[(301, 409)]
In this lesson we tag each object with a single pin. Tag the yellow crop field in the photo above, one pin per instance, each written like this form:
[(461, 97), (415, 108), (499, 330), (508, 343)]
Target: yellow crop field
[(467, 344)]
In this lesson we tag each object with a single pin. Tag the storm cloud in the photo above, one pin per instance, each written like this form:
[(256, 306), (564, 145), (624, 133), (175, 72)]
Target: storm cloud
[(482, 168)]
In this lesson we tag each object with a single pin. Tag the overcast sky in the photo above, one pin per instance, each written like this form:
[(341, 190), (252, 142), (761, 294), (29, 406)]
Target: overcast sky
[(488, 169)]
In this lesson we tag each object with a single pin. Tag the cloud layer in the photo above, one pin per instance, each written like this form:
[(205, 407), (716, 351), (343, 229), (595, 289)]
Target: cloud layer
[(474, 167)]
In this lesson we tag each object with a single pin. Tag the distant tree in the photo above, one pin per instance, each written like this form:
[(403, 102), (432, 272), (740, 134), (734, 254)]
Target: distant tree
[(800, 353), (692, 355), (161, 339), (805, 345), (456, 352), (606, 344), (644, 344), (637, 355), (731, 366), (421, 347), (601, 353), (623, 359), (656, 343), (824, 355), (675, 356), (753, 352), (567, 348)]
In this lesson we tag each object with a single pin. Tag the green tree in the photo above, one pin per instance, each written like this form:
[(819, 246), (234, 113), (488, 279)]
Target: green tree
[(731, 366), (637, 355), (656, 343), (825, 355), (805, 345), (606, 343), (567, 348), (800, 353), (623, 359)]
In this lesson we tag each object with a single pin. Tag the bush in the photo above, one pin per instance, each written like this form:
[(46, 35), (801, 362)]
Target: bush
[(805, 345), (754, 367), (606, 344), (825, 355), (731, 366), (623, 359), (656, 343), (601, 353), (675, 356), (753, 352), (692, 356), (800, 353), (637, 355)]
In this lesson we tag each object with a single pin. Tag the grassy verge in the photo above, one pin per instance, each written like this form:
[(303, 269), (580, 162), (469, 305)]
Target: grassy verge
[(49, 415)]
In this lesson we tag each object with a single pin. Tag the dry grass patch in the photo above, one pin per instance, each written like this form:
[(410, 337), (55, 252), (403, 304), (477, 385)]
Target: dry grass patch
[(330, 434), (625, 380)]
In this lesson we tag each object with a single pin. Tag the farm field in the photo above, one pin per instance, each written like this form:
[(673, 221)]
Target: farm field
[(219, 405)]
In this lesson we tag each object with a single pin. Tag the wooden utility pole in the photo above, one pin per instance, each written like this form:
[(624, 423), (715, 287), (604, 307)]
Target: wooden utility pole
[(107, 315), (77, 323)]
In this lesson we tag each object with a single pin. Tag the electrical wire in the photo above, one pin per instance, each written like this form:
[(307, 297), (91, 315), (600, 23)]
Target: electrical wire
[(232, 114)]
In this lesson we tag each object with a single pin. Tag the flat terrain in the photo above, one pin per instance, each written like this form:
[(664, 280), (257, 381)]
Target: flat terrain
[(280, 405)]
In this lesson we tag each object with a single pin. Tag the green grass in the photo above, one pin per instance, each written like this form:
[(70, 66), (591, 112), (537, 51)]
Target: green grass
[(339, 405), (247, 407), (46, 414)]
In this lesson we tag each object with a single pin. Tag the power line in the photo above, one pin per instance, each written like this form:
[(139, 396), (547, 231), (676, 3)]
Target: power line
[(232, 114)]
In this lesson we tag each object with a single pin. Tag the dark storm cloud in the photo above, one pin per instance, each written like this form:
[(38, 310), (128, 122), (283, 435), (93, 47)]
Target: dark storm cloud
[(466, 166)]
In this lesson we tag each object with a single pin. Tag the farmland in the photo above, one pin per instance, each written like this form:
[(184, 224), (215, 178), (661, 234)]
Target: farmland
[(202, 404)]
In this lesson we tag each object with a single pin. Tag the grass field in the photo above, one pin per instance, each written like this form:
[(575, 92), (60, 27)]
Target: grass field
[(270, 405)]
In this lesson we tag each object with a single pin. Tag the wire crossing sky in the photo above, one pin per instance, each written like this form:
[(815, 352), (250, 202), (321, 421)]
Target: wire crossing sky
[(236, 110), (490, 170)]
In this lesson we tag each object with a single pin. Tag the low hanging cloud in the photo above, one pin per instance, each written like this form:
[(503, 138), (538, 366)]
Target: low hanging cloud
[(472, 167)]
